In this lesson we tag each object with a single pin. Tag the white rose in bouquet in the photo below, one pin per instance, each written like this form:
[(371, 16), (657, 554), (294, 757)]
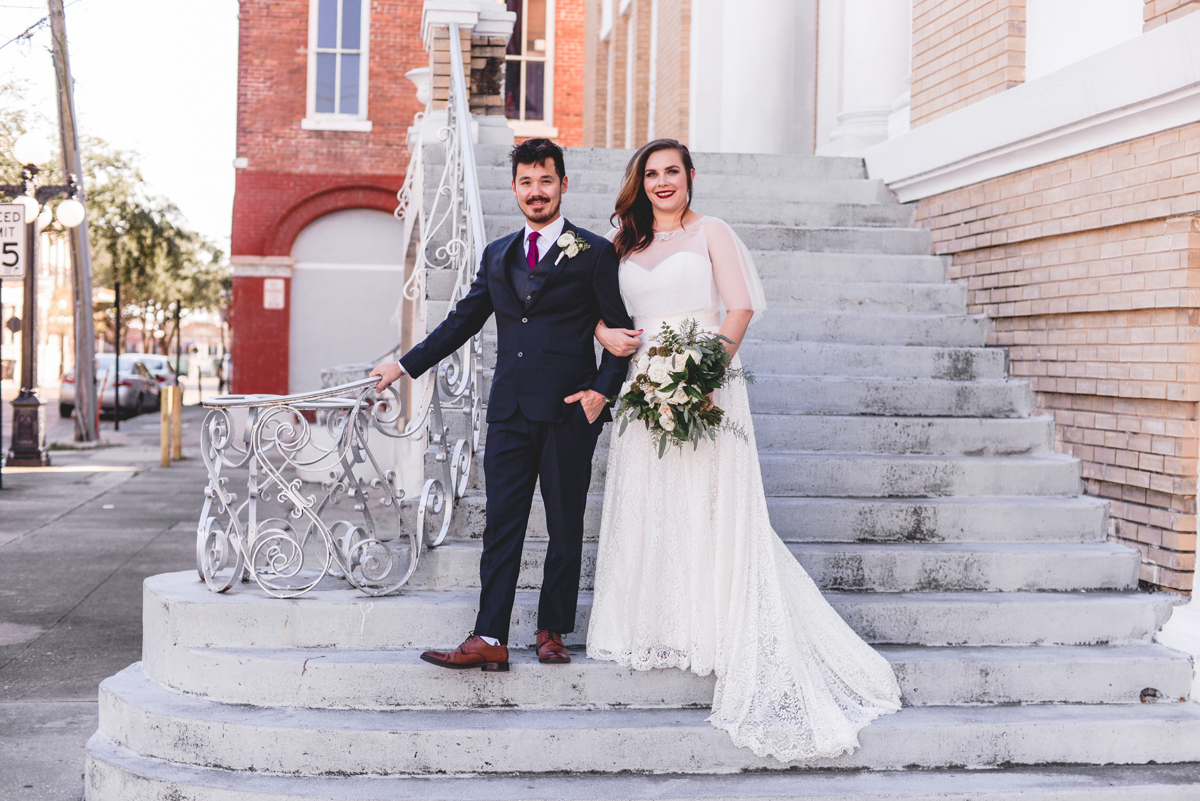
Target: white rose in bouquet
[(692, 355), (658, 371), (678, 362), (667, 421), (626, 387), (679, 397)]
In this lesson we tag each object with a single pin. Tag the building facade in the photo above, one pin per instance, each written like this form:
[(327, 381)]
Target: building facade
[(327, 93), (1049, 145)]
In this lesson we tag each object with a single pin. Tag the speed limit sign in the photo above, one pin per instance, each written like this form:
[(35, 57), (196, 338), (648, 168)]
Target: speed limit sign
[(12, 240)]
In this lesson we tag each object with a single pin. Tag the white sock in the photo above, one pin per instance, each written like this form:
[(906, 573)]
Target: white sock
[(489, 640)]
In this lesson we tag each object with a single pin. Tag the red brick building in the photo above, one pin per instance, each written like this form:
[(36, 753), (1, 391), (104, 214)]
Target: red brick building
[(324, 109)]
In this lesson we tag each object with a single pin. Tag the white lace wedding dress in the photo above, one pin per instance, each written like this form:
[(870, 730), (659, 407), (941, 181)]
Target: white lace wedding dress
[(690, 573)]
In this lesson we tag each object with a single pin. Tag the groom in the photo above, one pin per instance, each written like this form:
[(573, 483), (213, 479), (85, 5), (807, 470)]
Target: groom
[(548, 285)]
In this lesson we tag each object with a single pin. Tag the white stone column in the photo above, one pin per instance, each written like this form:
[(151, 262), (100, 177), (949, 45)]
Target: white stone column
[(876, 60)]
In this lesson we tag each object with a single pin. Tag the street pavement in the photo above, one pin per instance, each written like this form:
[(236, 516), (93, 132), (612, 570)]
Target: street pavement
[(76, 542)]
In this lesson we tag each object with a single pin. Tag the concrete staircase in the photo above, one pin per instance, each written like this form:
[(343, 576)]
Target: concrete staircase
[(902, 468)]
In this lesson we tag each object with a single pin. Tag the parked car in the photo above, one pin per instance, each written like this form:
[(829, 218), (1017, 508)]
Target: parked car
[(162, 368), (139, 390)]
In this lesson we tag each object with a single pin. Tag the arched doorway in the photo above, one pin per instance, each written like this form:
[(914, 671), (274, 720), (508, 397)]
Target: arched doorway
[(346, 289)]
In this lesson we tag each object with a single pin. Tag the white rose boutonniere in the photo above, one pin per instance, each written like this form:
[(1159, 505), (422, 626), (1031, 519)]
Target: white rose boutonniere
[(572, 245)]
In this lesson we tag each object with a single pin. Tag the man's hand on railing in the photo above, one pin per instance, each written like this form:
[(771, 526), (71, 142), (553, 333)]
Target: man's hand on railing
[(387, 372)]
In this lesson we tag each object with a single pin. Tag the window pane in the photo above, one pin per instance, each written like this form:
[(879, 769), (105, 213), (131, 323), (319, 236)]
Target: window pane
[(535, 30), (327, 23), (349, 104), (326, 82), (351, 24), (535, 78), (514, 41), (512, 89)]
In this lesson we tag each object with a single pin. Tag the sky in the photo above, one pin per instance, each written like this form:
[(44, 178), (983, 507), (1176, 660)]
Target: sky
[(158, 77)]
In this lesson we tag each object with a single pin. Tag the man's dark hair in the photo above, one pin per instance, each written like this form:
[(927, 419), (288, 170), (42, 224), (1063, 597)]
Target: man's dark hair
[(538, 151)]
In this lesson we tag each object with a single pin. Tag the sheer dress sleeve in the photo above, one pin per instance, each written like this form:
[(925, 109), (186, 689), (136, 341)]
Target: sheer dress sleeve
[(736, 278)]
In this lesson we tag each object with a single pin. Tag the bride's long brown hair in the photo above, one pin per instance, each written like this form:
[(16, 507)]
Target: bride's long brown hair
[(634, 216)]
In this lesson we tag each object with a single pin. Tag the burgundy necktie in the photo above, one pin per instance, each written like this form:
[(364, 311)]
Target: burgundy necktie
[(532, 255)]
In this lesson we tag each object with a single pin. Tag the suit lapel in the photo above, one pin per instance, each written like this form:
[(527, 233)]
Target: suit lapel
[(512, 251), (552, 269)]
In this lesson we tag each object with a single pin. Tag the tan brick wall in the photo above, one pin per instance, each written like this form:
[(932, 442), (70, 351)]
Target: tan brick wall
[(963, 52), (614, 128), (639, 12), (595, 77), (674, 65), (1160, 12), (1090, 268)]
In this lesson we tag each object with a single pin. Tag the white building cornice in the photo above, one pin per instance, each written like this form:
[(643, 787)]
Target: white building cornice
[(262, 266), (1138, 88)]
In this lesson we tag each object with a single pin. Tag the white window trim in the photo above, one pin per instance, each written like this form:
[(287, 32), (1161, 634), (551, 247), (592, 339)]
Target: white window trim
[(314, 121), (545, 126)]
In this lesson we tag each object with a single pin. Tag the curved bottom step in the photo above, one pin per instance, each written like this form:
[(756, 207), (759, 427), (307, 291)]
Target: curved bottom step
[(114, 773)]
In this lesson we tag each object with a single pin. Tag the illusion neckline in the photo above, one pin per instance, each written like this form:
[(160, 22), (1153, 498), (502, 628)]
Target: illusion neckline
[(663, 236)]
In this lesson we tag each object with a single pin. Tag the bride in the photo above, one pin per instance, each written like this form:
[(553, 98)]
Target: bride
[(690, 573)]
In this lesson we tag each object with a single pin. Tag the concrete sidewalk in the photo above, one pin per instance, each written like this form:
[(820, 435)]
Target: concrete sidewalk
[(76, 541)]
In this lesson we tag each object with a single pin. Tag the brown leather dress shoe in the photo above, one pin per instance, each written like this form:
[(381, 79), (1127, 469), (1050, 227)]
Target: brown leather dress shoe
[(551, 650), (473, 653)]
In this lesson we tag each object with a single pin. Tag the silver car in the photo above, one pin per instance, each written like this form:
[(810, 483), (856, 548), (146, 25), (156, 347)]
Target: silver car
[(137, 387), (162, 368)]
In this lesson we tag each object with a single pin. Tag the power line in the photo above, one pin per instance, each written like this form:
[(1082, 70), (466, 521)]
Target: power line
[(32, 29), (27, 33)]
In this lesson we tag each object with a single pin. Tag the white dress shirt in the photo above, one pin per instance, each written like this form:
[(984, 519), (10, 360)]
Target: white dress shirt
[(546, 237)]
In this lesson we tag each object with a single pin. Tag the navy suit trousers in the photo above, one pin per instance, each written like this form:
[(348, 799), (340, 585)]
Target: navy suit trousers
[(519, 451)]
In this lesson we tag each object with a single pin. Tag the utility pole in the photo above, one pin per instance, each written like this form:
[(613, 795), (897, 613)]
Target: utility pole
[(81, 255)]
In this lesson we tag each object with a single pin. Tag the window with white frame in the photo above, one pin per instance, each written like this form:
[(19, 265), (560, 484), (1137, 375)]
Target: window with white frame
[(338, 35), (529, 71)]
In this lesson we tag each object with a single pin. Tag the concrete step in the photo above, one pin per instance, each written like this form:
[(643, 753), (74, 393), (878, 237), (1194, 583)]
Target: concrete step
[(854, 268), (788, 273), (962, 436), (893, 567), (874, 361), (139, 715), (853, 327), (181, 610), (957, 436), (747, 210), (116, 773), (742, 165), (893, 476), (914, 397), (347, 678), (714, 186), (1020, 519), (865, 475), (869, 297), (984, 519), (897, 241)]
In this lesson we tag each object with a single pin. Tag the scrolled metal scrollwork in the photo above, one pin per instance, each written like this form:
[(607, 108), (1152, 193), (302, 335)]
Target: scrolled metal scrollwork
[(288, 535)]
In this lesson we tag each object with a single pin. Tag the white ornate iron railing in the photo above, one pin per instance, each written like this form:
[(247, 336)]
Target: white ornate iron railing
[(288, 558)]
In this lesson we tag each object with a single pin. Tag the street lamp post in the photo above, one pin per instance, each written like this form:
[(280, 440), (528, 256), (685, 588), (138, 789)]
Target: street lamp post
[(28, 448)]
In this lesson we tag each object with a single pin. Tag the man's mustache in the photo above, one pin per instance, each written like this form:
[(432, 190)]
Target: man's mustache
[(536, 199)]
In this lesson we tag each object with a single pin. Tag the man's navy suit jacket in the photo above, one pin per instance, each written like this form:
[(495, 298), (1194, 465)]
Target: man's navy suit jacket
[(545, 350)]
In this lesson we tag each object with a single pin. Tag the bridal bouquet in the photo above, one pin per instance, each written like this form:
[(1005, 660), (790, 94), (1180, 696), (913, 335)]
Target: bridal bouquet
[(671, 384)]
